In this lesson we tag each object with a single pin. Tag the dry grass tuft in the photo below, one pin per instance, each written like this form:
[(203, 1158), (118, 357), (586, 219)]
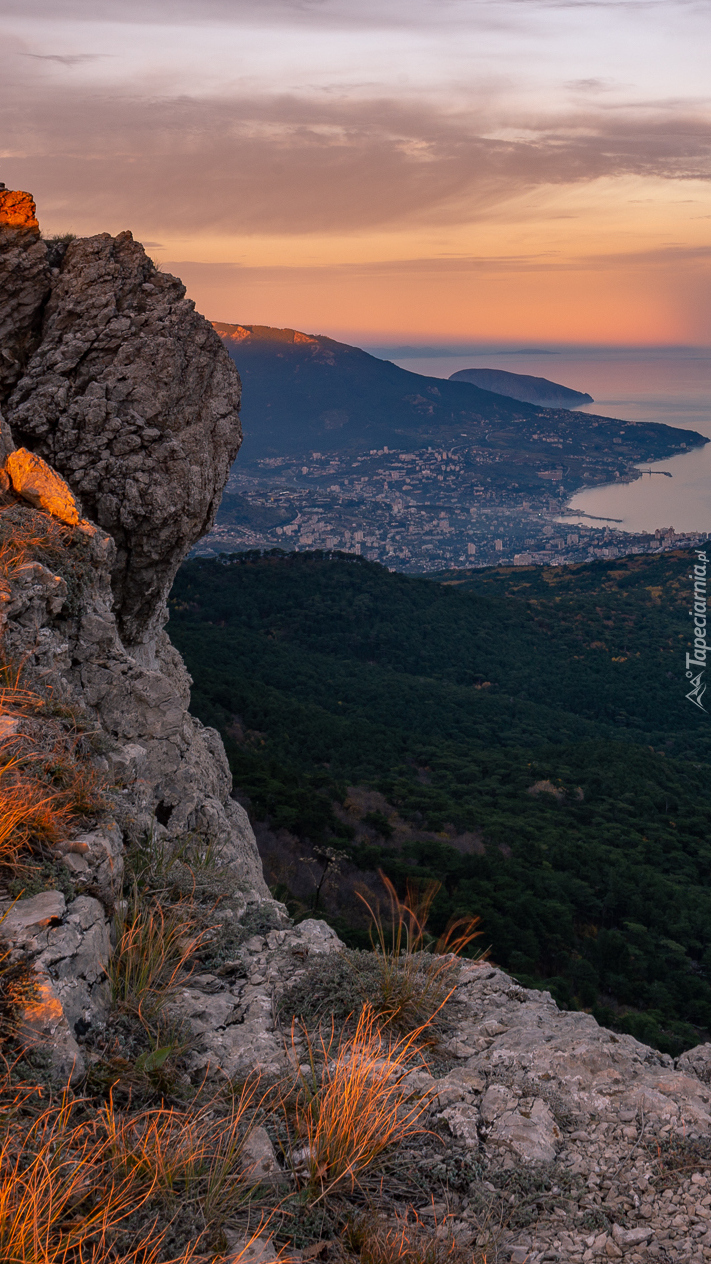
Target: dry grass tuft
[(28, 534), (353, 1106), (79, 1186), (152, 952), (406, 1240), (46, 785), (194, 1154), (58, 1193), (416, 972), (29, 810)]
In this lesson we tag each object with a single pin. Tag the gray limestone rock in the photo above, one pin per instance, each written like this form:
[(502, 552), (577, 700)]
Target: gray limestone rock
[(23, 918), (132, 398), (67, 949), (43, 1028), (96, 859), (538, 1052), (528, 1129), (697, 1061), (235, 1029), (110, 377), (162, 757), (259, 1160), (464, 1123)]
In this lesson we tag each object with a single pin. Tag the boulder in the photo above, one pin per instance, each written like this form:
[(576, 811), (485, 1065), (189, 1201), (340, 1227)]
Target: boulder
[(35, 482), (25, 917), (697, 1061), (259, 1160)]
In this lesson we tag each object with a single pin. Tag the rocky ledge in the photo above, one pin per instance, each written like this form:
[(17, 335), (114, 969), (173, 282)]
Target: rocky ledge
[(613, 1138), (610, 1139)]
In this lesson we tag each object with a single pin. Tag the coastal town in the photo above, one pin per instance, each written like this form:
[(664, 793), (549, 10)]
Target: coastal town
[(426, 510)]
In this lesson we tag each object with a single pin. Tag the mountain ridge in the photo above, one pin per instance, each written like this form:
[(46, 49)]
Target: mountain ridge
[(303, 391)]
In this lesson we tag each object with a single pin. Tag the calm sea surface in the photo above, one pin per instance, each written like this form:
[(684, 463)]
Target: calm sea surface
[(666, 386)]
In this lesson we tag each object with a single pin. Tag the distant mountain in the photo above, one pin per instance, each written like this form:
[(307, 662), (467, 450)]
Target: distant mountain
[(304, 391), (521, 386)]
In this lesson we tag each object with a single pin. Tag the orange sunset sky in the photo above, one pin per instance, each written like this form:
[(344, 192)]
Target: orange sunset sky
[(404, 171)]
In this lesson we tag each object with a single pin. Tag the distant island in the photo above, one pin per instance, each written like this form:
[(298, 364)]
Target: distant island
[(521, 386)]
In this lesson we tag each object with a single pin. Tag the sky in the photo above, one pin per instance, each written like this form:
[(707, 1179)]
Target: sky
[(420, 171)]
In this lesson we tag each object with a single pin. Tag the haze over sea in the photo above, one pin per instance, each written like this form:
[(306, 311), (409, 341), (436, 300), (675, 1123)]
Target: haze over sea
[(671, 385)]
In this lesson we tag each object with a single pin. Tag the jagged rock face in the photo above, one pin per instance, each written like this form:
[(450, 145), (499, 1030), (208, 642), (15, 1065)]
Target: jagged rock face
[(164, 759), (24, 284), (131, 396), (118, 393)]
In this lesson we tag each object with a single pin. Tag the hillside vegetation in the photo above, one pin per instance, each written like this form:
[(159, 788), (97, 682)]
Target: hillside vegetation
[(537, 711)]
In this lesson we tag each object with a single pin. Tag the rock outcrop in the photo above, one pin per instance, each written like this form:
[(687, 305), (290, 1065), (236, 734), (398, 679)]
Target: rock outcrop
[(129, 394), (24, 285), (121, 405), (536, 1099)]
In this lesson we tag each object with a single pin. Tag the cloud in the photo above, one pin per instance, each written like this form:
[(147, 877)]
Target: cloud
[(360, 14), (66, 59), (589, 85), (332, 13), (672, 258), (288, 165)]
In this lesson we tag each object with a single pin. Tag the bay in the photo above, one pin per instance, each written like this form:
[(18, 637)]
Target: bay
[(670, 385)]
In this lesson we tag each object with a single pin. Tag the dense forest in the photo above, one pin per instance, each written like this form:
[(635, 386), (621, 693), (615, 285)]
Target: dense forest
[(529, 738)]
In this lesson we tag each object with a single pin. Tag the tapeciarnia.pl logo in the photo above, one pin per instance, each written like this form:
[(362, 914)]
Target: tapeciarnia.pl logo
[(698, 613)]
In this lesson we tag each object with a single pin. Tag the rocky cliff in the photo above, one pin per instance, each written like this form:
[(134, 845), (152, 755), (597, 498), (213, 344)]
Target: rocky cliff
[(120, 420)]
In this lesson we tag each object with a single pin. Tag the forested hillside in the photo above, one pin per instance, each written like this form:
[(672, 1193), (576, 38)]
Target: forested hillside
[(528, 731)]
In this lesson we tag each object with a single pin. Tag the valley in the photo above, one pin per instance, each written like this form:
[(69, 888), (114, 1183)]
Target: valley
[(520, 734)]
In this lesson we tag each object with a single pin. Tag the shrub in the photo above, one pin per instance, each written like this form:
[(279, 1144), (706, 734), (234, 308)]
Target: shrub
[(405, 1240)]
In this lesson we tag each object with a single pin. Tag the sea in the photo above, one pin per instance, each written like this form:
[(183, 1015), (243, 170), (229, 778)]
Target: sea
[(670, 385)]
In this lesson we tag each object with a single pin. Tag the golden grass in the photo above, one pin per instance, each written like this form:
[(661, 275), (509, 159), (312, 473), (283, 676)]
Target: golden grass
[(57, 1190), (193, 1154), (25, 533), (73, 1180), (152, 951), (353, 1106), (416, 972), (43, 792), (30, 809)]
